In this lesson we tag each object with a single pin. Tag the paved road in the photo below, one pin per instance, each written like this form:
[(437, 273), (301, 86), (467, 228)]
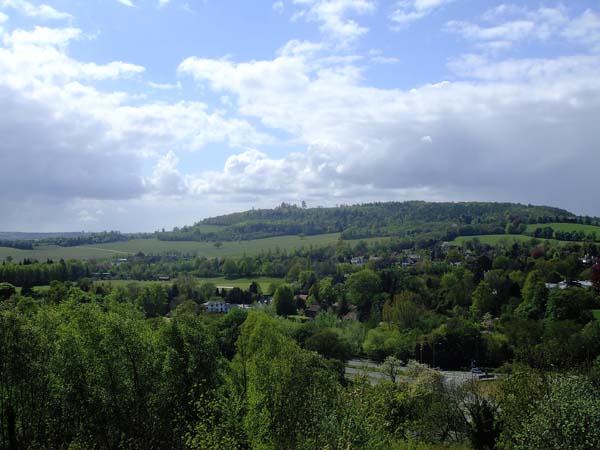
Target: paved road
[(357, 367)]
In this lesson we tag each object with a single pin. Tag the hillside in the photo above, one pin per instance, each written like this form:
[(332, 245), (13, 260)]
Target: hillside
[(442, 220)]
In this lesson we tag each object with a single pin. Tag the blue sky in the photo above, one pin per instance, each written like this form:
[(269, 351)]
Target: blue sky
[(143, 114)]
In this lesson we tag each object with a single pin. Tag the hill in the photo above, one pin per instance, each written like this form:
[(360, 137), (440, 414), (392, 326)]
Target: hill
[(442, 220)]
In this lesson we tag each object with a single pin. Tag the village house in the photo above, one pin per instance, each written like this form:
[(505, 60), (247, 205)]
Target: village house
[(216, 306)]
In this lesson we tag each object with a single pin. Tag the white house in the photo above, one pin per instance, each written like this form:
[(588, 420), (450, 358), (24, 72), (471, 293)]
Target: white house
[(216, 306)]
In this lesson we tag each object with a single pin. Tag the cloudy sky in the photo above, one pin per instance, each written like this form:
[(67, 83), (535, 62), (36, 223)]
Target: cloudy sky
[(142, 114)]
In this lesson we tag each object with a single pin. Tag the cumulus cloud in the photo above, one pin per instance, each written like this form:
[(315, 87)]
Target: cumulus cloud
[(28, 9), (333, 15), (408, 11), (64, 138), (520, 128)]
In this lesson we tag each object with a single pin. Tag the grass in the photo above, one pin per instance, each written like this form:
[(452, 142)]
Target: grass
[(565, 227), (496, 239), (53, 252), (242, 283), (154, 246)]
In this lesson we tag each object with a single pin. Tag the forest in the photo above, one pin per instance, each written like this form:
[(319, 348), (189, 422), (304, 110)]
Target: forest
[(90, 363)]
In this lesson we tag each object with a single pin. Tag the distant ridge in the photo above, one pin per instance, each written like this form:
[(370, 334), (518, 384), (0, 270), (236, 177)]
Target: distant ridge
[(444, 219)]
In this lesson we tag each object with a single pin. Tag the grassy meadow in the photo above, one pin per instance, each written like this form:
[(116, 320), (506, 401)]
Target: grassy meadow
[(565, 227), (154, 246), (242, 283)]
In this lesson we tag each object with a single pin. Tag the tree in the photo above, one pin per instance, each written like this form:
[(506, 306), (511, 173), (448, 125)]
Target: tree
[(484, 300), (306, 279), (153, 300), (534, 297), (328, 344), (457, 287), (402, 312), (283, 301), (391, 367), (361, 288), (230, 269), (7, 290), (595, 276), (570, 304), (567, 416)]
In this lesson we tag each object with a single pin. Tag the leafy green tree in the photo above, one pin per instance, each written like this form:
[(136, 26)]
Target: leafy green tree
[(402, 312), (391, 367), (153, 299), (361, 289), (283, 301), (567, 416), (328, 344), (570, 304), (7, 290), (230, 269), (534, 295), (484, 300), (457, 287), (306, 279), (288, 389)]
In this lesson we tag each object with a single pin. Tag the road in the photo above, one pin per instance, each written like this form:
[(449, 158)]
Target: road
[(356, 367)]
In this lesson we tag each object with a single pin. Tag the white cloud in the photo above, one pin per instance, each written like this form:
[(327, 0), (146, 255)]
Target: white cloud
[(165, 86), (511, 24), (333, 16), (66, 140), (585, 29), (41, 53), (42, 11), (128, 3), (363, 142), (3, 18), (278, 6), (408, 11), (162, 3)]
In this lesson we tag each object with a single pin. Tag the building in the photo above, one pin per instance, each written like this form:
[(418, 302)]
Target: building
[(312, 311), (216, 306)]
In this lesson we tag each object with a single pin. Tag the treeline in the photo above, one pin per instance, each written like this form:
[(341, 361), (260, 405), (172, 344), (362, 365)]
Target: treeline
[(575, 235), (29, 274), (21, 245), (367, 220), (103, 237)]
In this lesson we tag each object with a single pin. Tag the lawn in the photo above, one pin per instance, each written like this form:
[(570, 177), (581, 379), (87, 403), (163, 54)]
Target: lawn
[(242, 283)]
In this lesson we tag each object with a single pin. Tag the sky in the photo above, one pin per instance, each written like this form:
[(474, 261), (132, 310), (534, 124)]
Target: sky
[(137, 115)]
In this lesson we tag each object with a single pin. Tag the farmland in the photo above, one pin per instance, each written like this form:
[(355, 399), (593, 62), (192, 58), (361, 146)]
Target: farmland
[(242, 283), (154, 246)]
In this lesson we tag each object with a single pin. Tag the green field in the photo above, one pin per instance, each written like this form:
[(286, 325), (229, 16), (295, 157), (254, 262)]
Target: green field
[(54, 252), (565, 227), (496, 239), (242, 283), (154, 246)]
